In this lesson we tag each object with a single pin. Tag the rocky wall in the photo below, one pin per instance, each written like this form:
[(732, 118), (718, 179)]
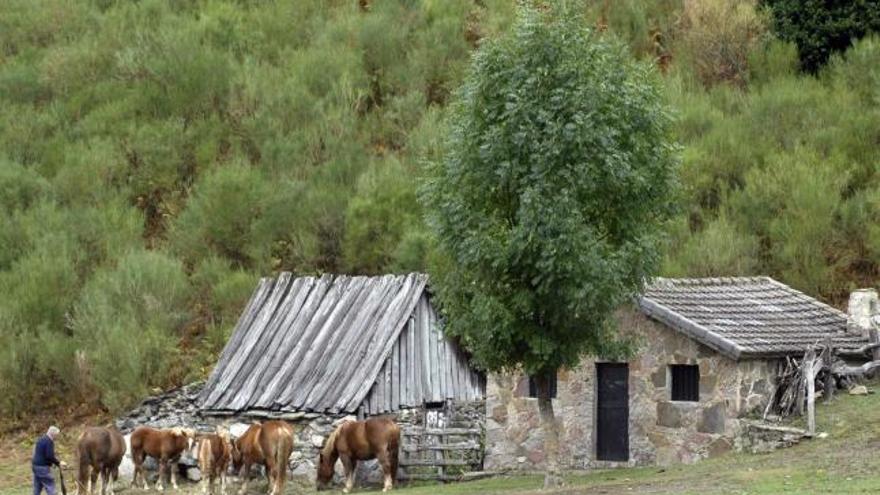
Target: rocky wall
[(178, 408), (661, 431)]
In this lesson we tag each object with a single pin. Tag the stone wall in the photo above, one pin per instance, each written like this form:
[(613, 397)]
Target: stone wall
[(661, 431), (179, 408)]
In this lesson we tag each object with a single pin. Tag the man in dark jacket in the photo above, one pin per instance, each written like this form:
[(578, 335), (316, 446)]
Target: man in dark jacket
[(43, 460)]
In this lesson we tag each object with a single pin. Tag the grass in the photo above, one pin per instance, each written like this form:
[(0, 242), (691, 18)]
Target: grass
[(847, 461)]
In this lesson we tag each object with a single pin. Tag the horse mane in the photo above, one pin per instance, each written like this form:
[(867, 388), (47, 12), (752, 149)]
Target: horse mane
[(330, 444)]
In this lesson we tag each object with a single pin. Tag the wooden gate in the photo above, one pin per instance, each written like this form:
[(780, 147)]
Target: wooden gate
[(442, 454)]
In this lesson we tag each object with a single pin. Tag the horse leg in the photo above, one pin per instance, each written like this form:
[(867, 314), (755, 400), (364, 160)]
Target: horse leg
[(105, 478), (245, 474), (161, 480), (350, 465), (223, 481), (174, 469), (93, 481), (386, 464)]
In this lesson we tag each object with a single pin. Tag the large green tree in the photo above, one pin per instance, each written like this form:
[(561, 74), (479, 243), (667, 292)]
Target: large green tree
[(549, 200)]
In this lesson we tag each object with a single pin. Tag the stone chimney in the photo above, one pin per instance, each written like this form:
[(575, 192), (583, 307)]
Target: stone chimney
[(863, 305)]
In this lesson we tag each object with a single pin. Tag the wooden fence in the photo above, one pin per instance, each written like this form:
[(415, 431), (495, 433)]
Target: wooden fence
[(442, 454)]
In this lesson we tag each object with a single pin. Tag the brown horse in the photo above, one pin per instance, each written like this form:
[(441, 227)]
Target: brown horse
[(356, 441), (215, 454), (269, 444), (99, 450), (164, 445)]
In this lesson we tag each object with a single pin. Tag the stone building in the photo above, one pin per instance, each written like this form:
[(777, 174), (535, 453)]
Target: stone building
[(707, 354)]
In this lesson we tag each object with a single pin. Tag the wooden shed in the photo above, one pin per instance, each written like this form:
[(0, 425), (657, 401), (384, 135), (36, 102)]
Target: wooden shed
[(339, 345)]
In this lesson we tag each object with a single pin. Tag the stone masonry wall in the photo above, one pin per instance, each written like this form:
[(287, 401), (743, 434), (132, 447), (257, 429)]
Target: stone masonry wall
[(178, 408), (661, 431)]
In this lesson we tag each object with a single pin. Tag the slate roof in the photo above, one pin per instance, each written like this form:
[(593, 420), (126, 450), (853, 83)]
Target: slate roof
[(745, 317), (334, 343)]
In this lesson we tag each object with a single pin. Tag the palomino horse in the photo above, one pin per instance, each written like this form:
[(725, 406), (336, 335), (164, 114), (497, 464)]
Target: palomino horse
[(98, 450), (214, 454), (356, 441), (164, 445), (269, 444)]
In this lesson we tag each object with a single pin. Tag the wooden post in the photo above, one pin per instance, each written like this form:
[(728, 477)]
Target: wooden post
[(809, 360)]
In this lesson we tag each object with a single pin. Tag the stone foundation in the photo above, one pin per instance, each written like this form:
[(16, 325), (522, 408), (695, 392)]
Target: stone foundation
[(661, 431), (179, 408)]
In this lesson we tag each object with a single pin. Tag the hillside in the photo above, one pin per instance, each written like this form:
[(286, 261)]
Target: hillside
[(844, 462), (159, 157)]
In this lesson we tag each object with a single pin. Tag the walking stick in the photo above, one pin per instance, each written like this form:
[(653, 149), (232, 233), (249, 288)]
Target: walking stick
[(61, 478)]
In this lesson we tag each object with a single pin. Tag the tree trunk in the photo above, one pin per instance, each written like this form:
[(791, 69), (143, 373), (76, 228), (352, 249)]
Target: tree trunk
[(552, 477)]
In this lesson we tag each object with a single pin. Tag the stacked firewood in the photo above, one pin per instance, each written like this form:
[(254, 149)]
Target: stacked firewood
[(818, 374)]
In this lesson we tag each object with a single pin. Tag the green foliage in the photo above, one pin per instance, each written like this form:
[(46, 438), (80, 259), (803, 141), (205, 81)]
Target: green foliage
[(547, 204), (127, 320), (787, 172), (820, 28)]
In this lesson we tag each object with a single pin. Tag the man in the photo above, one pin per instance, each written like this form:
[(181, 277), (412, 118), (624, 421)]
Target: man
[(43, 460)]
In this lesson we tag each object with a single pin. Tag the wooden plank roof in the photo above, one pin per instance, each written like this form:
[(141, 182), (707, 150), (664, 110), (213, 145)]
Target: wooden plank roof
[(744, 317), (311, 344)]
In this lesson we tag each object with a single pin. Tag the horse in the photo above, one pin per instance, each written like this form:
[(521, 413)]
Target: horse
[(164, 445), (99, 450), (214, 454), (354, 441), (269, 444)]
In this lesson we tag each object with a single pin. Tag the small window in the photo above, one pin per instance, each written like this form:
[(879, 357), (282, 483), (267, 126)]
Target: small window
[(685, 382), (533, 387)]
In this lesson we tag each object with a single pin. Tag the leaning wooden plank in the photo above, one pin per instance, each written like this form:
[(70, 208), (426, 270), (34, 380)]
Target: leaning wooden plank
[(212, 390), (240, 365), (299, 328), (331, 353), (391, 325), (312, 359), (405, 377), (269, 340), (436, 394), (394, 359), (289, 333), (809, 359), (362, 332), (286, 388)]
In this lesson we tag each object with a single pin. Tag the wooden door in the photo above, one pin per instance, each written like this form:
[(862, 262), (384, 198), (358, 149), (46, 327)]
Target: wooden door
[(612, 412)]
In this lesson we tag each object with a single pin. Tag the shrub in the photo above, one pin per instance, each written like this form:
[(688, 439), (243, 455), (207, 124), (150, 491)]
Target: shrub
[(821, 28), (219, 216), (717, 37), (126, 321)]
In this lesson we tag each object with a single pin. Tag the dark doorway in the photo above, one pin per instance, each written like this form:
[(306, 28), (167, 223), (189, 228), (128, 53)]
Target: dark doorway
[(612, 412)]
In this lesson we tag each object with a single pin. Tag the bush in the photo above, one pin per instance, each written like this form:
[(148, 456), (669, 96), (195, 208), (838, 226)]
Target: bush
[(717, 37), (126, 321), (821, 28), (219, 216)]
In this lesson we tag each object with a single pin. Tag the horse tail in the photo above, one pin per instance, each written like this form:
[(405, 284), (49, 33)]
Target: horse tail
[(83, 463), (393, 450), (283, 448), (206, 457)]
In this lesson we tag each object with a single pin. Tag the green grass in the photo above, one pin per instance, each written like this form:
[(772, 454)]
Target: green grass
[(847, 461)]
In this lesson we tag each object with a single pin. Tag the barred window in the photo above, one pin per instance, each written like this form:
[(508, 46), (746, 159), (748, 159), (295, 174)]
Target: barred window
[(685, 382)]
